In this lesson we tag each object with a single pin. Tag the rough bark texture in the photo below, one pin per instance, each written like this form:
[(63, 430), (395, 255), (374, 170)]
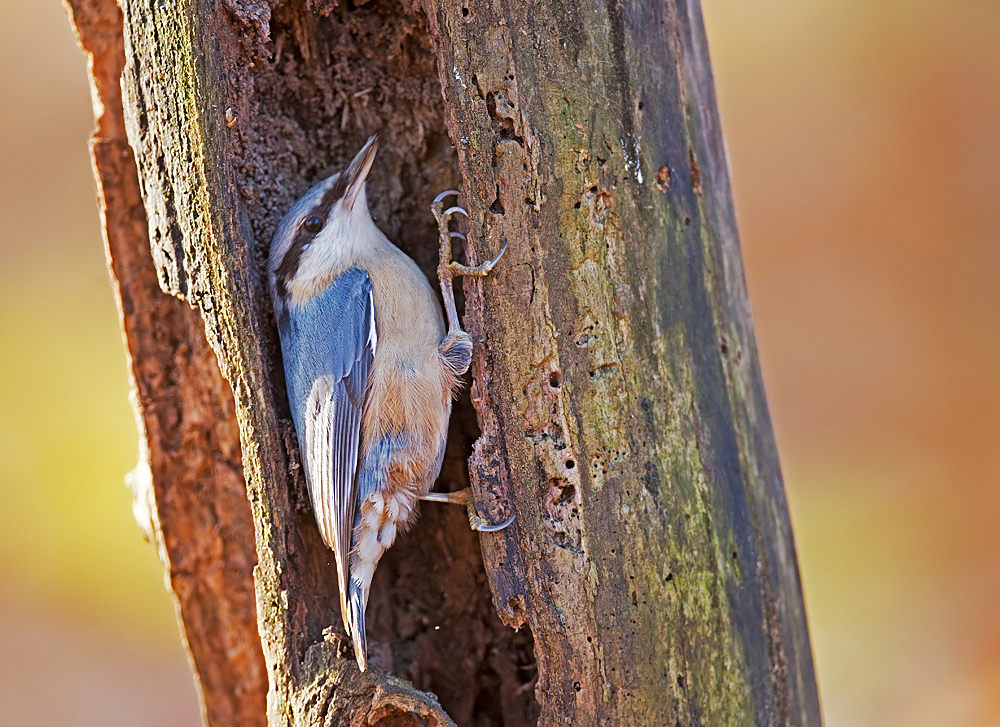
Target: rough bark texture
[(620, 396), (651, 567), (234, 111), (190, 498)]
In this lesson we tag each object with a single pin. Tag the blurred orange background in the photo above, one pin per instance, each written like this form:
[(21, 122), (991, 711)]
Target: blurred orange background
[(865, 147)]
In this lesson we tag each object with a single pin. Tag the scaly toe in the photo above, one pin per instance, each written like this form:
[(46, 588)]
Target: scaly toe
[(477, 271)]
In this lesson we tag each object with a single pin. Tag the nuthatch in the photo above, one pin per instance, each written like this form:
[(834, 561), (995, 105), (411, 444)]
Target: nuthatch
[(370, 372)]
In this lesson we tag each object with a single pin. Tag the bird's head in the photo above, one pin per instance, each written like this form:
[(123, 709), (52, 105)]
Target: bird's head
[(323, 232)]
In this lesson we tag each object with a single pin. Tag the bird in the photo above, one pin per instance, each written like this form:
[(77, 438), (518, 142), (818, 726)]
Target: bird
[(371, 371)]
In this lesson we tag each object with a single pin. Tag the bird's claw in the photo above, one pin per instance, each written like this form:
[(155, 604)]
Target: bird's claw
[(447, 268), (464, 497), (487, 267), (455, 269), (439, 200), (442, 215), (478, 523)]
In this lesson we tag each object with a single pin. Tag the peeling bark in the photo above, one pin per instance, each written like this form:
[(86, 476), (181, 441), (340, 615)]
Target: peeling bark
[(190, 497), (619, 410)]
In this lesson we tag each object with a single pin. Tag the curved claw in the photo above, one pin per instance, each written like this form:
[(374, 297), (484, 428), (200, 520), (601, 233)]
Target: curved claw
[(459, 235), (452, 210), (483, 527), (446, 193), (494, 261)]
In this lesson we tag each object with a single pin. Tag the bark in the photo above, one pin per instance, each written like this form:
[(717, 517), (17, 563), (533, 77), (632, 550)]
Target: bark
[(651, 569), (620, 394), (190, 498)]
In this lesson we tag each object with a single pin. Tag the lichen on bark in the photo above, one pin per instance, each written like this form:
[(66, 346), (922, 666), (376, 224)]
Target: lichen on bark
[(616, 400)]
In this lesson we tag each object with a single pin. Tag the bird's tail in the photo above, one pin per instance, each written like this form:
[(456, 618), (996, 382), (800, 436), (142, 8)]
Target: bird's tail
[(374, 531), (356, 610)]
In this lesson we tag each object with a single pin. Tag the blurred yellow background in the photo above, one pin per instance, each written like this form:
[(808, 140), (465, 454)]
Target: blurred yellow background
[(87, 632), (865, 147), (864, 139)]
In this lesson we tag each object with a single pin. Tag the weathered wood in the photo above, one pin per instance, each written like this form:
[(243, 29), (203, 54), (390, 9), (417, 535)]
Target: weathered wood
[(233, 112), (616, 380), (190, 498), (619, 390)]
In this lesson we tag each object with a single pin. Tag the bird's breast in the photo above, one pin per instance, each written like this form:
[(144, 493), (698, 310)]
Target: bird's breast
[(408, 392)]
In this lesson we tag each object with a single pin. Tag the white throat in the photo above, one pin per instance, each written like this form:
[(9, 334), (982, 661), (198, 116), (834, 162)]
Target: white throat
[(346, 240)]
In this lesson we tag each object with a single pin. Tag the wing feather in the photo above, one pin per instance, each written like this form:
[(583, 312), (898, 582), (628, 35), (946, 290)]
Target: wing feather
[(328, 345)]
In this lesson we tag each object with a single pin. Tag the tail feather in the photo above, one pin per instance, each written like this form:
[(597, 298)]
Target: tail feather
[(376, 522), (357, 602)]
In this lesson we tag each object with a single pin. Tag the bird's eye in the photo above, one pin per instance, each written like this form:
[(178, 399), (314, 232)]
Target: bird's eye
[(313, 224)]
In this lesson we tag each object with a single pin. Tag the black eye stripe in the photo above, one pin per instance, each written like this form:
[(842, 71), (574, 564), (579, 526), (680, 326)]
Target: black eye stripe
[(290, 264)]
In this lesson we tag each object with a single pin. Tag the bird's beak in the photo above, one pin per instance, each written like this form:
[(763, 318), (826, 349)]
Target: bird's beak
[(355, 175)]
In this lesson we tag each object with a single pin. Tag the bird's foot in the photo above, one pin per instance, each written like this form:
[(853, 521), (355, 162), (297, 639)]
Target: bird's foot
[(448, 269), (480, 271), (464, 497)]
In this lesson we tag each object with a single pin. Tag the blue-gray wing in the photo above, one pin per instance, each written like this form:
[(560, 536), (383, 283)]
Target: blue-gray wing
[(328, 345)]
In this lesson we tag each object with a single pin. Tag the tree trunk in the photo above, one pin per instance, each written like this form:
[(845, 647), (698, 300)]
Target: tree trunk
[(651, 569), (190, 497)]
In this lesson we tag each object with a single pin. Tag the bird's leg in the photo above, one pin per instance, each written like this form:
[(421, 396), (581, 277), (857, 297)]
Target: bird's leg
[(456, 348), (448, 269), (464, 497)]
